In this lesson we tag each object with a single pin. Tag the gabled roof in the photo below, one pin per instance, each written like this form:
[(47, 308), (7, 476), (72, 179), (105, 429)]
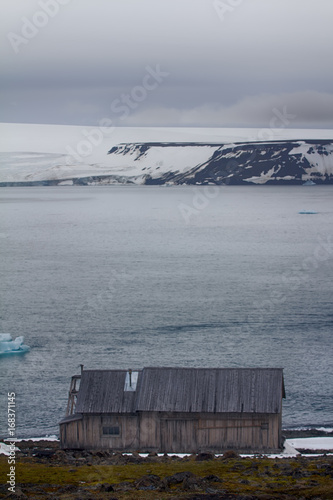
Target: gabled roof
[(192, 390)]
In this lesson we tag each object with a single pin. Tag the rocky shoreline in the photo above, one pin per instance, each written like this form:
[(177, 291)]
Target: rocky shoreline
[(304, 433), (43, 470)]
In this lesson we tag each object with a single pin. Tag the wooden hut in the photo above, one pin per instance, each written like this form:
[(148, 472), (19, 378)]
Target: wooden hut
[(179, 410)]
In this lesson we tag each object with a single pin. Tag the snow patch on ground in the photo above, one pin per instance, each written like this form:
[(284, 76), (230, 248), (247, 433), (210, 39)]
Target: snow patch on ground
[(320, 162), (53, 437), (314, 443), (263, 178), (5, 449)]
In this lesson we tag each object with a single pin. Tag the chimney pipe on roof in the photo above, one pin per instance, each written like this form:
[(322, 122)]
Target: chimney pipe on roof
[(130, 377), (81, 369)]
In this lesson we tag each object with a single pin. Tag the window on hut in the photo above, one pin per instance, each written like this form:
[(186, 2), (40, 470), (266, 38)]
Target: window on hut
[(111, 430), (131, 381)]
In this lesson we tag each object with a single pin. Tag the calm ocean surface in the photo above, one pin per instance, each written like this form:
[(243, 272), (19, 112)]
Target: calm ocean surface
[(126, 277)]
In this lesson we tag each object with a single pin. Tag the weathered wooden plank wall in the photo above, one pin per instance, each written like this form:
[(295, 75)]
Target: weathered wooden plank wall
[(177, 433)]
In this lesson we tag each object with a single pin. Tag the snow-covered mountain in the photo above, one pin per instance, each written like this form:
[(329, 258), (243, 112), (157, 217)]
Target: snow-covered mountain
[(60, 155)]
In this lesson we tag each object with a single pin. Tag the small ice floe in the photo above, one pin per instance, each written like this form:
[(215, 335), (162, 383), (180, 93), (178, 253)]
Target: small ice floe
[(309, 183), (308, 212), (10, 346)]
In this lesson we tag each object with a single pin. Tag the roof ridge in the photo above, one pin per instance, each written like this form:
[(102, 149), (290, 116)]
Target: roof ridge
[(183, 368)]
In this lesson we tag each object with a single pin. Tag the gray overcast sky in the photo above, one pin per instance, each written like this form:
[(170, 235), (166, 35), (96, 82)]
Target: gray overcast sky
[(167, 62)]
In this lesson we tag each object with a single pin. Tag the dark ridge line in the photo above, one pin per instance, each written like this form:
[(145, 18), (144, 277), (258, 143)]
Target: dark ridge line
[(220, 144)]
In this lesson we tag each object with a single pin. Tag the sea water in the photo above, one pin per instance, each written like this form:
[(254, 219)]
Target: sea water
[(133, 276)]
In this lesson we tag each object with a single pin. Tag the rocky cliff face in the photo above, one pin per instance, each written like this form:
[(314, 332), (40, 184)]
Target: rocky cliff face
[(278, 162), (284, 162)]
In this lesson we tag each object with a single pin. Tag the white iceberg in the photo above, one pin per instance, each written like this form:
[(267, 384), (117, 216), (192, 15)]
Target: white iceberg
[(10, 346)]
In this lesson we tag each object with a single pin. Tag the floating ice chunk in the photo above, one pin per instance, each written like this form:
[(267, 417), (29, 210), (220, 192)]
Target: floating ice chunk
[(10, 346), (309, 183), (308, 212)]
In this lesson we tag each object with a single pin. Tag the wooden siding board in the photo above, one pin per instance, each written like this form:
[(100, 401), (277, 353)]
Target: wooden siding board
[(175, 432)]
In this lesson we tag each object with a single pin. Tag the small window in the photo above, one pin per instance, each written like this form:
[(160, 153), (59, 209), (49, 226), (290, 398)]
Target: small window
[(264, 426), (111, 431), (131, 381)]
